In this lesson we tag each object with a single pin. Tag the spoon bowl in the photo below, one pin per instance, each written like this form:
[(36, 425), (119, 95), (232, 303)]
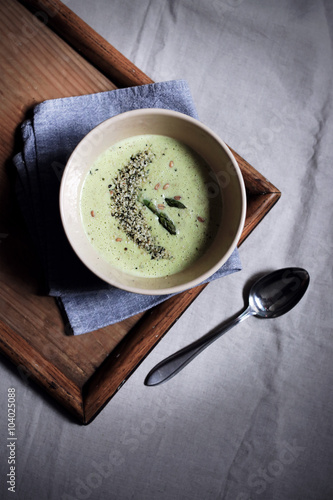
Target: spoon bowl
[(278, 292), (271, 296)]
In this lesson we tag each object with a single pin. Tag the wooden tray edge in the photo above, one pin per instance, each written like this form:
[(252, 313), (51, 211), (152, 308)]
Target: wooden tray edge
[(138, 343), (33, 366)]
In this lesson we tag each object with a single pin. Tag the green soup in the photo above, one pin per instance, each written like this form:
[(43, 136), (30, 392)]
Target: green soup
[(146, 208)]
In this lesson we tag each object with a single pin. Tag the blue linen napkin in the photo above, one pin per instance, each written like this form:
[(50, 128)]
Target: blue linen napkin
[(49, 138)]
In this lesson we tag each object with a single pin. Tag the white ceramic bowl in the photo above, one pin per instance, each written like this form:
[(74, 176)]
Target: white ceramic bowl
[(196, 135)]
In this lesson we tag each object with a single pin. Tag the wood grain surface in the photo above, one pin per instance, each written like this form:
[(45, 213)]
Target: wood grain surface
[(87, 42), (83, 372)]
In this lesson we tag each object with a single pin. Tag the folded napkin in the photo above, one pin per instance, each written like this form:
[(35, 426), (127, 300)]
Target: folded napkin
[(49, 138)]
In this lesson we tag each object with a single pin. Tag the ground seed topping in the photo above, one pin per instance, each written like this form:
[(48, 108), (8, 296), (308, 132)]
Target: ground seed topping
[(125, 206)]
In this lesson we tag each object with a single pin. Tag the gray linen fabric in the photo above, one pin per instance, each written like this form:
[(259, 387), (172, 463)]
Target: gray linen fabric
[(49, 138)]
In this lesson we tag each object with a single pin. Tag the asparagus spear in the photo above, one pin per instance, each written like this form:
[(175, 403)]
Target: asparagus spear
[(162, 218), (174, 203)]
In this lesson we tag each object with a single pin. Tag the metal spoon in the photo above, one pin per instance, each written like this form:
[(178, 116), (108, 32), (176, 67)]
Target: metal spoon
[(271, 296)]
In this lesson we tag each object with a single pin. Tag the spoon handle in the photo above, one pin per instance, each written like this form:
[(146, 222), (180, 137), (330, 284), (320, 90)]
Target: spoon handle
[(167, 368)]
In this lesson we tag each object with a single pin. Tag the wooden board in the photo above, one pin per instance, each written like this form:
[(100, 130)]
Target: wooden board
[(46, 52)]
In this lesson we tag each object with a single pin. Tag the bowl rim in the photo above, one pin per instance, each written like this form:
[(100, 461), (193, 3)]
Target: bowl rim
[(204, 276)]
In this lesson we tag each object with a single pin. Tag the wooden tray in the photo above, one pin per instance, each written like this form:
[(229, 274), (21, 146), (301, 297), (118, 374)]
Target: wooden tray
[(48, 52)]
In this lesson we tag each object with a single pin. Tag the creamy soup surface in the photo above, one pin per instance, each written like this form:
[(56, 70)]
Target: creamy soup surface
[(146, 206)]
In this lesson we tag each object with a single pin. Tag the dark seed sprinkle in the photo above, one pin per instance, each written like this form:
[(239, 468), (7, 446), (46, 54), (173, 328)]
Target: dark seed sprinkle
[(125, 207)]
